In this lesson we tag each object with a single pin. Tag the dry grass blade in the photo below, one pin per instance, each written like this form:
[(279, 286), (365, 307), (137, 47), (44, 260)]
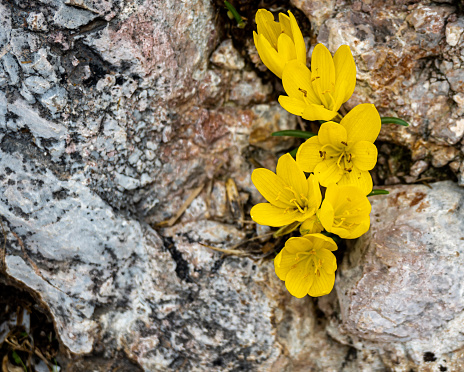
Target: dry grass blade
[(182, 209), (233, 250)]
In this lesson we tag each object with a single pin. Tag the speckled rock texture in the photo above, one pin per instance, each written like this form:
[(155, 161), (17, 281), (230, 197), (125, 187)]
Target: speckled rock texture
[(114, 114)]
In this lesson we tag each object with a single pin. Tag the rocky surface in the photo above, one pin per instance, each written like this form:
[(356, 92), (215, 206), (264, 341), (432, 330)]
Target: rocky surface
[(115, 116)]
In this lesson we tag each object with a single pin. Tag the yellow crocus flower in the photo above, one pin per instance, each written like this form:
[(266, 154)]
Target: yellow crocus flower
[(345, 211), (317, 94), (307, 265), (278, 42), (291, 196), (344, 153)]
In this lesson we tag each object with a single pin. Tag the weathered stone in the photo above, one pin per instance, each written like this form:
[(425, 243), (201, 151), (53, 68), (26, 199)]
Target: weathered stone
[(316, 11), (401, 282), (226, 56), (454, 31), (37, 22)]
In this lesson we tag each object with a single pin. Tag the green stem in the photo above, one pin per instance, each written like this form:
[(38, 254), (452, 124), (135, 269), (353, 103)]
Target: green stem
[(378, 192), (293, 133), (238, 18), (387, 120)]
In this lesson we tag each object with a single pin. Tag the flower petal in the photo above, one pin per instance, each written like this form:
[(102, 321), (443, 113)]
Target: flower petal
[(300, 46), (318, 112), (286, 48), (267, 27), (345, 73), (332, 133), (362, 123), (269, 55), (288, 170), (364, 155), (314, 192), (270, 215), (283, 263), (322, 285), (309, 155), (292, 105), (322, 73), (359, 178), (298, 244), (326, 215), (311, 226), (296, 79), (320, 241), (299, 280), (329, 262), (272, 187), (285, 25), (354, 233), (328, 172)]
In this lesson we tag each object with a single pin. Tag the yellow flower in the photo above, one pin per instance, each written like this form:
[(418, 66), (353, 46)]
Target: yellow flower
[(318, 94), (344, 153), (311, 226), (278, 42), (291, 196), (307, 265), (345, 211)]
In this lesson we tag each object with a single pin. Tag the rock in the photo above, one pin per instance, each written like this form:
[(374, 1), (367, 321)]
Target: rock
[(454, 31), (71, 17), (37, 84), (36, 22), (401, 281), (316, 11), (226, 56)]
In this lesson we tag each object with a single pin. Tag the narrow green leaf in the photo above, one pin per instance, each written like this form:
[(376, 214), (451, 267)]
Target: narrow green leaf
[(284, 230), (233, 11), (378, 192), (293, 152), (386, 120), (18, 360), (293, 133)]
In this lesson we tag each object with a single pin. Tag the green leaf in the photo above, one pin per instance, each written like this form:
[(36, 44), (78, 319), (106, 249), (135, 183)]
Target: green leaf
[(233, 11), (387, 120), (284, 230), (18, 360), (378, 192), (293, 152), (293, 133)]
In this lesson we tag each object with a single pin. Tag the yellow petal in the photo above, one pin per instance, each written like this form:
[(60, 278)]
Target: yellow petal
[(283, 263), (311, 226), (285, 25), (322, 285), (328, 172), (314, 192), (326, 215), (299, 280), (292, 105), (332, 133), (286, 48), (288, 170), (323, 73), (353, 233), (298, 244), (329, 262), (364, 155), (296, 79), (345, 72), (298, 40), (269, 56), (320, 241), (267, 27), (318, 112), (272, 188), (309, 155), (269, 215), (362, 123), (338, 96), (359, 178)]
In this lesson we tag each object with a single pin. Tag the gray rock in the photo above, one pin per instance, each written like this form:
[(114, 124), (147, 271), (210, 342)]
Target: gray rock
[(36, 22), (71, 17), (11, 67), (55, 99), (401, 282), (37, 84)]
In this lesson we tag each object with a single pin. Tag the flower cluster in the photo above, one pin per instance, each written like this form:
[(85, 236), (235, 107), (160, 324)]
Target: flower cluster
[(332, 199)]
